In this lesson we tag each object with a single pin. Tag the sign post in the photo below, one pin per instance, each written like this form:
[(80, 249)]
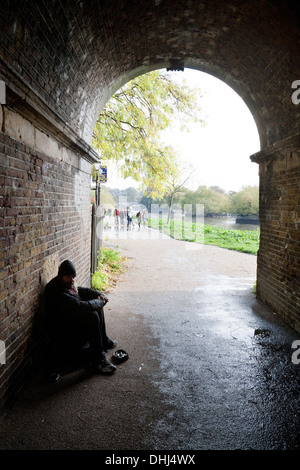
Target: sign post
[(100, 176)]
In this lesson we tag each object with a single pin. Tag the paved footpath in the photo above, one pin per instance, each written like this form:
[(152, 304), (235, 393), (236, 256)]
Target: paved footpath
[(209, 366)]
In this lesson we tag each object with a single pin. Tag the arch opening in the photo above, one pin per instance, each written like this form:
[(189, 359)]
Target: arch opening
[(210, 71), (222, 141), (226, 222)]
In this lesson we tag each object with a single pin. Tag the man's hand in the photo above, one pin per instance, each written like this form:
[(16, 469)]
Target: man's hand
[(104, 298)]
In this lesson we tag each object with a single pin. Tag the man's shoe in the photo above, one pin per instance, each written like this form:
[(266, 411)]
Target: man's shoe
[(105, 367), (53, 376)]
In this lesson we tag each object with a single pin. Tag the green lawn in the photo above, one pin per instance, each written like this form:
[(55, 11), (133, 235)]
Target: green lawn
[(246, 241)]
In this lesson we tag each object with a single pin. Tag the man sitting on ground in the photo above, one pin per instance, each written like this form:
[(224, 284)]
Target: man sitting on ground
[(75, 316)]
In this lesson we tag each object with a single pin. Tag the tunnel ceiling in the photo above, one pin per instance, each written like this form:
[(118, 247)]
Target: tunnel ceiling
[(67, 58)]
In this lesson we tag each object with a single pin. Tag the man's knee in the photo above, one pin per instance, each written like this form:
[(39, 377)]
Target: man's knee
[(93, 318)]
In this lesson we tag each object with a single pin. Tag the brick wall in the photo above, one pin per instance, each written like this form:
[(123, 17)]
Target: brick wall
[(278, 268), (71, 56), (61, 61), (45, 213)]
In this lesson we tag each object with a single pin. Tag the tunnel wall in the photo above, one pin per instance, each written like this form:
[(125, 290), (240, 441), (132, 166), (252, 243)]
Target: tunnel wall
[(69, 59), (61, 61), (45, 212), (278, 266)]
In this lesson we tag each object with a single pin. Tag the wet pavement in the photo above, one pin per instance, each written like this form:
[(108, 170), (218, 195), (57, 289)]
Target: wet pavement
[(210, 367), (227, 377)]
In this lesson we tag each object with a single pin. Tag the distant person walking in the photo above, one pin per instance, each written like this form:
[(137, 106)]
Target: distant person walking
[(139, 219), (129, 219), (117, 217)]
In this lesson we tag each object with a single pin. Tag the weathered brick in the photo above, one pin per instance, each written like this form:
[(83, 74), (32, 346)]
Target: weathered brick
[(28, 241), (278, 277), (59, 78)]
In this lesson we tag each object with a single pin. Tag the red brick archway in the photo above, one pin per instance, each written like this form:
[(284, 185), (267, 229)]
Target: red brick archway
[(60, 63)]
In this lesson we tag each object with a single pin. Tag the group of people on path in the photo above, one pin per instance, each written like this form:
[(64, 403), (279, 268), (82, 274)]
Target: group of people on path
[(125, 218)]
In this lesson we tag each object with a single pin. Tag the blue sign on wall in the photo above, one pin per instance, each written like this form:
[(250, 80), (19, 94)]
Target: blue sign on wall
[(103, 174)]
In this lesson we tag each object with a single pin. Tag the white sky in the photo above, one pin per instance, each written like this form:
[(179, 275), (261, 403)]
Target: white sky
[(220, 151)]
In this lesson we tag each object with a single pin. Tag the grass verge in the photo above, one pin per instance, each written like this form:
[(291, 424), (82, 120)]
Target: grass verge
[(110, 265), (246, 241)]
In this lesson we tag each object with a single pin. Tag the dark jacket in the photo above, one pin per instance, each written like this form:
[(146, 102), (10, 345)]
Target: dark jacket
[(65, 311)]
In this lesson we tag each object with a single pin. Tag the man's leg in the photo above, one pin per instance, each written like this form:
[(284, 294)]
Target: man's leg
[(99, 342), (107, 343)]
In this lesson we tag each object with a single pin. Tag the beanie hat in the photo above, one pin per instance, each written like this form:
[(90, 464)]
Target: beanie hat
[(66, 268)]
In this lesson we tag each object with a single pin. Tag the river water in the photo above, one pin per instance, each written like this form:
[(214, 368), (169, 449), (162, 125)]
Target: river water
[(228, 223)]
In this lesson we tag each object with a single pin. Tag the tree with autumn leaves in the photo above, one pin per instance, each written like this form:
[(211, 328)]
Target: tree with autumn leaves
[(130, 126)]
